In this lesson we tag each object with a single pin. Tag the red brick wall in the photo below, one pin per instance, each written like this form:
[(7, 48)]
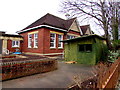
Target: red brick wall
[(43, 41), (47, 48), (12, 49), (40, 42)]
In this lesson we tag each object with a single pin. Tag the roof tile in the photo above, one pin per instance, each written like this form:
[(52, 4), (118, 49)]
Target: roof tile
[(52, 20)]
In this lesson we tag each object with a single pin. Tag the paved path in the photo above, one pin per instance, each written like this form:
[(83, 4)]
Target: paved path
[(61, 78)]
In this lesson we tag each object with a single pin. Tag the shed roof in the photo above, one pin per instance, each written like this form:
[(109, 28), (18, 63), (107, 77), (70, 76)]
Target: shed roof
[(85, 37)]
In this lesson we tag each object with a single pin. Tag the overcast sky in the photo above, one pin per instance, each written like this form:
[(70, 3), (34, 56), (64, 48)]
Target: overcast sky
[(18, 14)]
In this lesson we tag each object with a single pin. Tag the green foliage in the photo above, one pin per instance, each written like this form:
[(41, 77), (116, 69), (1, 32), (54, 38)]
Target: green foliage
[(116, 43), (113, 55)]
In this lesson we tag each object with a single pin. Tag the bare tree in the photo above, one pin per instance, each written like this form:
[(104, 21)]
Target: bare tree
[(99, 10), (113, 13)]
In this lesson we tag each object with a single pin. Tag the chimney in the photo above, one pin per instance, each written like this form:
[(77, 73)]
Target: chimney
[(67, 16)]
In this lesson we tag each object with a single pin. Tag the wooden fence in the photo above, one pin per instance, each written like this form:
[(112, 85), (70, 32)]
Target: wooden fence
[(107, 78), (12, 70), (110, 77)]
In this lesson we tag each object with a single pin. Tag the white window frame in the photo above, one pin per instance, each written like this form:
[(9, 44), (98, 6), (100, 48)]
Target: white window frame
[(54, 40), (15, 41), (71, 37), (60, 39), (29, 41), (35, 40)]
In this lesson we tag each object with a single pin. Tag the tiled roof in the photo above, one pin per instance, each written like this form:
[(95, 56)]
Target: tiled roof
[(11, 35), (2, 33), (84, 28), (53, 21)]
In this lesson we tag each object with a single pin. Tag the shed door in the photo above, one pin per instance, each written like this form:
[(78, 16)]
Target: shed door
[(0, 46)]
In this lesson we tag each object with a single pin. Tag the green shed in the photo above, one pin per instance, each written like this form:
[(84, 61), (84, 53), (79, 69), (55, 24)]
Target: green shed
[(86, 49)]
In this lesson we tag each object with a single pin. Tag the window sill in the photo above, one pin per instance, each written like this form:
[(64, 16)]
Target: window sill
[(52, 48), (15, 47), (35, 47), (29, 47), (60, 48)]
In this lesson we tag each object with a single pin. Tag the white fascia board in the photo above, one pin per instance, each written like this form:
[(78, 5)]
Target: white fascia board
[(40, 27), (71, 25), (81, 33), (76, 20)]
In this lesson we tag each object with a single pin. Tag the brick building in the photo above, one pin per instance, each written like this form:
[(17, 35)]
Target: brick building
[(44, 35), (10, 43)]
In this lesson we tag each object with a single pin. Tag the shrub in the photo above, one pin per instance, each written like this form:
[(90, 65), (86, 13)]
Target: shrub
[(113, 55), (116, 44)]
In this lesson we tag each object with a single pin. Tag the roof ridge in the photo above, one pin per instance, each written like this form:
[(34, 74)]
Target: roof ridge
[(63, 23), (55, 16), (61, 18)]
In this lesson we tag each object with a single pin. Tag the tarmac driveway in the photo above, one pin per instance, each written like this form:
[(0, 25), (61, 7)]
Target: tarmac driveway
[(60, 78)]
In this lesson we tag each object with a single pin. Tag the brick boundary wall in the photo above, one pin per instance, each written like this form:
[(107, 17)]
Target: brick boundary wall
[(12, 70)]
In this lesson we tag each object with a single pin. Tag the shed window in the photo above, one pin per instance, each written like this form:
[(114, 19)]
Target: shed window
[(85, 47)]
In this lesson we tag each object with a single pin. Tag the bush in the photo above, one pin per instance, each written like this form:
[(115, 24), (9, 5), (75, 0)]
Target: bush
[(116, 44), (113, 55)]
